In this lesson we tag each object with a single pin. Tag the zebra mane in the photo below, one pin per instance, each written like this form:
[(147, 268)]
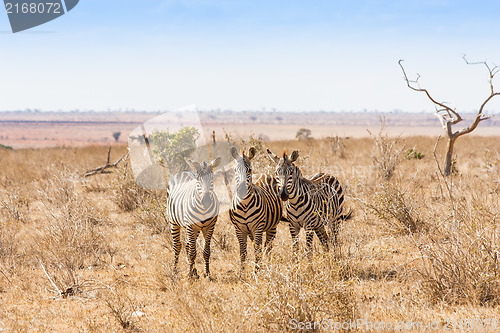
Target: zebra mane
[(301, 176)]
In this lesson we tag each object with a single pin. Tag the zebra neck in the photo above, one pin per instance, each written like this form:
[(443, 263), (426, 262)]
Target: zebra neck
[(248, 196), (297, 193), (197, 200)]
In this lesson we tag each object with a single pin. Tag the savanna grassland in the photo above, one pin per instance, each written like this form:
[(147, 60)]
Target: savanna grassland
[(95, 254)]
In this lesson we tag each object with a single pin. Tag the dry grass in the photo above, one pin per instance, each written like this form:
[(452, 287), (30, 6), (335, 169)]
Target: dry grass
[(94, 254), (388, 153), (399, 209)]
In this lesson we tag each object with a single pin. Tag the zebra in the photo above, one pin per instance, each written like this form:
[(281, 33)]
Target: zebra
[(193, 204), (309, 203), (256, 207)]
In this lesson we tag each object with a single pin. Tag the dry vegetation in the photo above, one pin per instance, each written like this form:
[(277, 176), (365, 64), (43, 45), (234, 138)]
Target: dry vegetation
[(94, 254)]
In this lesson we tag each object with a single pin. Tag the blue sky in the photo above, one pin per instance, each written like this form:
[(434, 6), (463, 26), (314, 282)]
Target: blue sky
[(284, 55)]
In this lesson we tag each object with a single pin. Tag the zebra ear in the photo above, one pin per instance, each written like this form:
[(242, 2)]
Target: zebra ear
[(273, 157), (234, 152), (294, 156), (215, 163), (251, 153), (194, 165)]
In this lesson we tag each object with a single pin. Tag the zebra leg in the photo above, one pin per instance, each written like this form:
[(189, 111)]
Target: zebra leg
[(294, 232), (270, 235), (323, 237), (192, 236), (175, 230), (207, 234), (309, 241), (258, 247), (242, 239), (334, 230)]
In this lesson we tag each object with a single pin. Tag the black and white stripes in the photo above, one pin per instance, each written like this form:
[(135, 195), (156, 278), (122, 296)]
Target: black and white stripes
[(193, 204), (255, 208), (308, 203)]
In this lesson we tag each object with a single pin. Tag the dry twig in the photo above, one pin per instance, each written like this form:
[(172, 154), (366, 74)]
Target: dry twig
[(103, 169)]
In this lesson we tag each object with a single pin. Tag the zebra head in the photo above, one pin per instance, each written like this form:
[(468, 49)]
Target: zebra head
[(242, 170), (204, 176), (286, 172)]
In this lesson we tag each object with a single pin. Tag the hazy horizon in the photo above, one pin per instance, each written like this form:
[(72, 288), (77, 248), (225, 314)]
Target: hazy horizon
[(494, 112)]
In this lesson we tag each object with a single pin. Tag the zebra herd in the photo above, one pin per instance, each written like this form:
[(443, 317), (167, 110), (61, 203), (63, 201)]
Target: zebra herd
[(257, 206)]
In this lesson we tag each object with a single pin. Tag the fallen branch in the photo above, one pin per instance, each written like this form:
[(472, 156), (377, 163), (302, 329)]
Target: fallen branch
[(104, 168)]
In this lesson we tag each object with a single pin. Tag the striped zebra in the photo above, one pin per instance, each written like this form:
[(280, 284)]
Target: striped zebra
[(256, 207), (193, 204), (309, 203)]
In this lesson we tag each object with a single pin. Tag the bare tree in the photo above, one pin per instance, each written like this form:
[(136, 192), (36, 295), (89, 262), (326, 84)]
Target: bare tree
[(449, 116)]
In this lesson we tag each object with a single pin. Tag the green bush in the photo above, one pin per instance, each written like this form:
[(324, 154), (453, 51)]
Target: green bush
[(171, 149)]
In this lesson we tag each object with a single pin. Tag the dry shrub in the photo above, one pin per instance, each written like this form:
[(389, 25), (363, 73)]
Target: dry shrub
[(72, 239), (14, 213), (124, 309), (388, 152), (223, 233), (461, 260), (153, 214), (398, 209), (126, 194), (200, 309), (303, 291), (95, 187), (10, 252), (462, 272), (337, 145), (280, 294), (198, 306), (15, 208)]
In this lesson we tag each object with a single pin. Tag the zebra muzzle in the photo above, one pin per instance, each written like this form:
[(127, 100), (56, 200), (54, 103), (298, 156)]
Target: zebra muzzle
[(242, 190), (284, 194), (205, 201)]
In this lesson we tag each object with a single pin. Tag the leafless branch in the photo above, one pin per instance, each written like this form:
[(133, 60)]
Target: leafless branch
[(492, 71), (447, 115), (103, 169)]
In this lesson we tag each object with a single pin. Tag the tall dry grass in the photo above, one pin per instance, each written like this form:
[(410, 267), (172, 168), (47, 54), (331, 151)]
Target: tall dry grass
[(94, 254)]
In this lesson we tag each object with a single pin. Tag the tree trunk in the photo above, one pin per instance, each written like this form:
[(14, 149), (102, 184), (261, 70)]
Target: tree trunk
[(449, 155)]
